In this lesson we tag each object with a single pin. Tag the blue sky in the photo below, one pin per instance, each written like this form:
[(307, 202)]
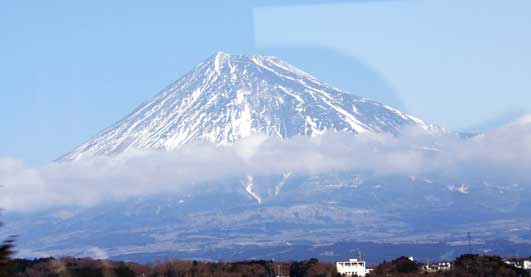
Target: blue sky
[(68, 70), (453, 62)]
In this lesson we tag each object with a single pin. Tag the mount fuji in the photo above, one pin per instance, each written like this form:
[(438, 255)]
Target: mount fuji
[(229, 97), (330, 215)]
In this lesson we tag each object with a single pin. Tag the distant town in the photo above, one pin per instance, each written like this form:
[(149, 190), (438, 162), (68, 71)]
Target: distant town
[(466, 265)]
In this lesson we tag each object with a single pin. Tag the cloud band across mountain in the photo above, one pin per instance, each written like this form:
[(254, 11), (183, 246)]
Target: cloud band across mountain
[(501, 156)]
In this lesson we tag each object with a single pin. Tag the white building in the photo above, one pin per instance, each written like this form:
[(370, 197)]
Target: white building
[(444, 266), (354, 267), (526, 265), (519, 263)]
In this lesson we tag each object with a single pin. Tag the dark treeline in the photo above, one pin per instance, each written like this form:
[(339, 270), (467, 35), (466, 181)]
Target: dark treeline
[(95, 268), (466, 265)]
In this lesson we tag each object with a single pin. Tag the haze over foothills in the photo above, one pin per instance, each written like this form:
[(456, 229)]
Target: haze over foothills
[(360, 142)]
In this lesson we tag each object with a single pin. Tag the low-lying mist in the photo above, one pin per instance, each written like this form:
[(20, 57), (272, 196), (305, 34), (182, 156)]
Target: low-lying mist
[(502, 154)]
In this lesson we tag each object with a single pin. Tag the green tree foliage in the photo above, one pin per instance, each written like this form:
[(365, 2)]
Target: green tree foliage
[(6, 250), (402, 266), (312, 267), (478, 265)]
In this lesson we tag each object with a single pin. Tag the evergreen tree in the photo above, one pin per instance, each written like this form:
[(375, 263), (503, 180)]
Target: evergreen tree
[(6, 250)]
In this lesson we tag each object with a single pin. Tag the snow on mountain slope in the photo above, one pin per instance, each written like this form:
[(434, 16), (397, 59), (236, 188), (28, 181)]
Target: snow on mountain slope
[(229, 97)]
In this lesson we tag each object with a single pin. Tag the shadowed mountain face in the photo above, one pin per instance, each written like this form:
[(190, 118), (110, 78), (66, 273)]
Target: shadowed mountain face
[(328, 216), (229, 97)]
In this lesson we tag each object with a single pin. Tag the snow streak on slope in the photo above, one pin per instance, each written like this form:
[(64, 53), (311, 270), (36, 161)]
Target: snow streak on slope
[(229, 97)]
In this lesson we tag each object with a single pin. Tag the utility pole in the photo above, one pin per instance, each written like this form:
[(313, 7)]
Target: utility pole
[(469, 237)]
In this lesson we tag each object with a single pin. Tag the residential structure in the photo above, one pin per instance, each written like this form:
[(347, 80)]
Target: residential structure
[(442, 266), (352, 267), (526, 264), (519, 263)]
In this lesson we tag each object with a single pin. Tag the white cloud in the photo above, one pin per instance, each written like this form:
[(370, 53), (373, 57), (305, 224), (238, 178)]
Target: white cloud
[(504, 153)]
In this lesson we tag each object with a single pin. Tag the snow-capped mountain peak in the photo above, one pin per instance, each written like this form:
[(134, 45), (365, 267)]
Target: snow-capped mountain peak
[(231, 96)]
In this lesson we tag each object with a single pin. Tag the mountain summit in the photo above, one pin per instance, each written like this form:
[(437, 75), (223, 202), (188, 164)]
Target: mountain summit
[(228, 97)]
